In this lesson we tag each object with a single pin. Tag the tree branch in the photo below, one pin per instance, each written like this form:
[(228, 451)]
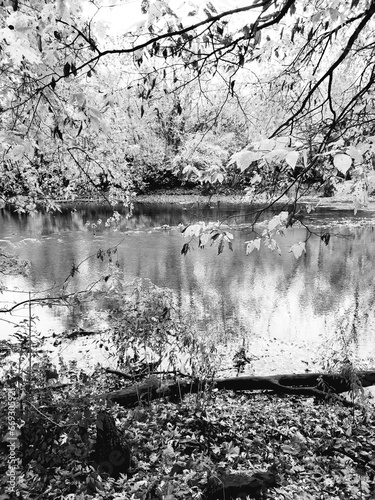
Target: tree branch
[(369, 14)]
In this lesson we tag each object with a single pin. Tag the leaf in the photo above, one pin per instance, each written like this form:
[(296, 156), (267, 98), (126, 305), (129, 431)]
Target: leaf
[(342, 162), (273, 223), (66, 69), (53, 83), (203, 240), (217, 177), (298, 249), (169, 452), (273, 245), (215, 236), (290, 450), (190, 169), (334, 14), (267, 145), (211, 7), (256, 179), (292, 158), (215, 449), (310, 208), (233, 452), (246, 31), (57, 132), (316, 17), (221, 246), (276, 155), (185, 249), (257, 37), (325, 238), (245, 158), (355, 154), (63, 438), (278, 220), (252, 245), (193, 230)]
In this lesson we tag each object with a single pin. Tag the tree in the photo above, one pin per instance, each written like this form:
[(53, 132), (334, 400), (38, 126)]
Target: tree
[(309, 67)]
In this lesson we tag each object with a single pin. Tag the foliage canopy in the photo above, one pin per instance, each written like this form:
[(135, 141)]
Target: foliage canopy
[(278, 92)]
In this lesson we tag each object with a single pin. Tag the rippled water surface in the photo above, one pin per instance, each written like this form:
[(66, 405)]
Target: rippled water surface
[(286, 311)]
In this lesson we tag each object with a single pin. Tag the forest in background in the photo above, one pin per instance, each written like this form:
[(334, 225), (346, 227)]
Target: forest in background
[(269, 97)]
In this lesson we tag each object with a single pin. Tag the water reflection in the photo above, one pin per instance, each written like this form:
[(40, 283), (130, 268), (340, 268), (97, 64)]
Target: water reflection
[(284, 308)]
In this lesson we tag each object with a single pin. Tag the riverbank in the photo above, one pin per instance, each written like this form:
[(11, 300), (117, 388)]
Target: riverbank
[(341, 200)]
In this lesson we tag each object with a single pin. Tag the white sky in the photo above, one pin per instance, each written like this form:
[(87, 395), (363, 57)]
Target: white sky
[(120, 17), (127, 14)]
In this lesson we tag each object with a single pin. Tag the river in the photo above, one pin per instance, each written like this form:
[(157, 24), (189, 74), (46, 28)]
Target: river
[(291, 314)]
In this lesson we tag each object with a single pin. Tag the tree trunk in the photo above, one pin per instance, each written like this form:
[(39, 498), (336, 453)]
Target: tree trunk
[(110, 454), (309, 384)]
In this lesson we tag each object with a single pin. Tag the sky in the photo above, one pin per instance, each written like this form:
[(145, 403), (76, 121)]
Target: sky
[(122, 17), (125, 15)]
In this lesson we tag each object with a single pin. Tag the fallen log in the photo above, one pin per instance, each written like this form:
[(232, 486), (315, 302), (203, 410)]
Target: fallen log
[(320, 385), (237, 485)]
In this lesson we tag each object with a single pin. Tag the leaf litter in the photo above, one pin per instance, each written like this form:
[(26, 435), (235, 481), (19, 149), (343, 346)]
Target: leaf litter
[(320, 450)]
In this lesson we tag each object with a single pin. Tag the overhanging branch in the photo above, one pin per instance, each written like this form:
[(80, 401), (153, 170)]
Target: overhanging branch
[(328, 74)]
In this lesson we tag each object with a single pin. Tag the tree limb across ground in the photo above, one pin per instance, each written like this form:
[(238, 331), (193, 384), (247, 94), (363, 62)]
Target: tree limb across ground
[(309, 384)]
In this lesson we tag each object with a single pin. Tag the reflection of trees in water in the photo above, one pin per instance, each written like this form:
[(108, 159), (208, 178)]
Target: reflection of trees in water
[(344, 268), (231, 292), (340, 285), (351, 337)]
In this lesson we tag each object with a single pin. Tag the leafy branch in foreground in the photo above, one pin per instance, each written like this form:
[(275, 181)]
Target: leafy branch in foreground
[(299, 72)]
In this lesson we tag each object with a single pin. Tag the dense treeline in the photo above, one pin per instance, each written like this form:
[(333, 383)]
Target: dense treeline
[(267, 97)]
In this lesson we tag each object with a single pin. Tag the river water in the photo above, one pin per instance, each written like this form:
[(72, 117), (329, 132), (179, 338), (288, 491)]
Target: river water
[(290, 314)]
